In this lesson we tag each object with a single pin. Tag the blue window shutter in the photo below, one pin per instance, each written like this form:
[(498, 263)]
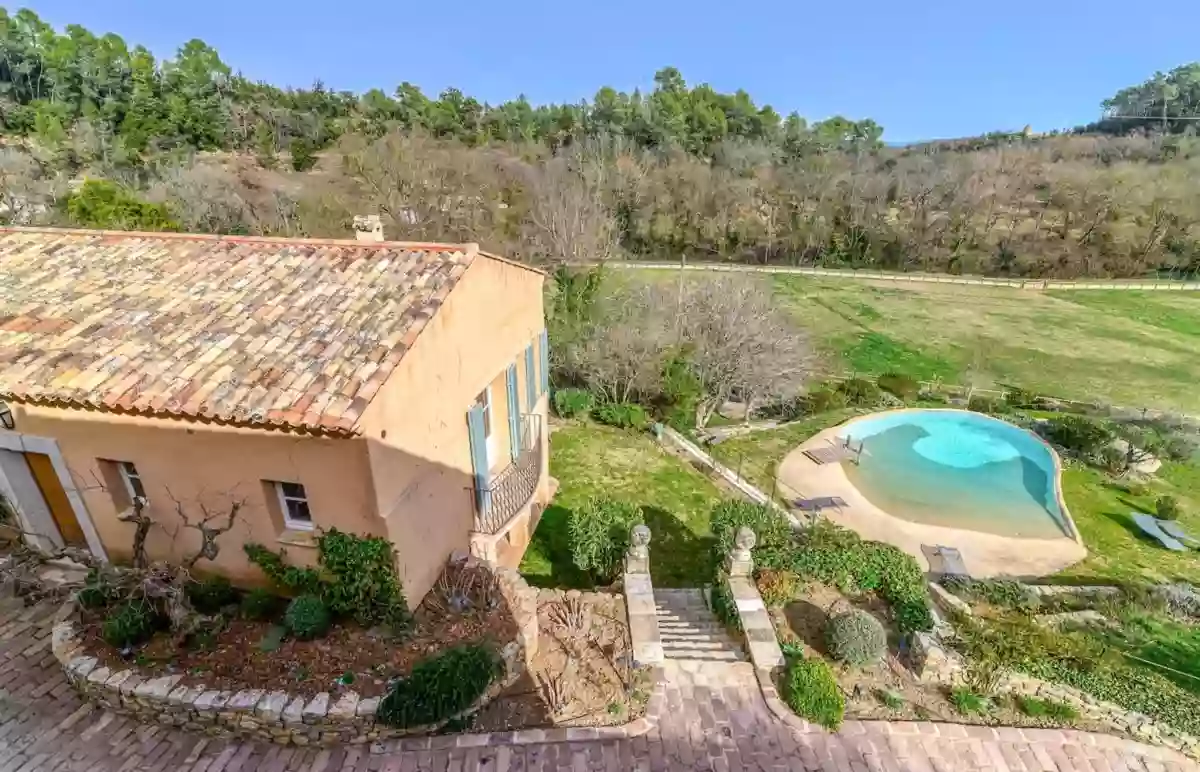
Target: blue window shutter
[(479, 458), (514, 413), (531, 389), (545, 347)]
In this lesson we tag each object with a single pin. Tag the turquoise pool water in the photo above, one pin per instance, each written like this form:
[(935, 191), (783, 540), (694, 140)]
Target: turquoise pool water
[(959, 469)]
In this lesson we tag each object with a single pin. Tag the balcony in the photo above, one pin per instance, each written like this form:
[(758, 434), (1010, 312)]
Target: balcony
[(514, 487)]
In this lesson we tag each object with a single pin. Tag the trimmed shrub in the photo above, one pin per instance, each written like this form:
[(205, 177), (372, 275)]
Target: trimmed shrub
[(307, 617), (260, 604), (1167, 507), (902, 386), (859, 392), (856, 638), (769, 525), (623, 415), (721, 601), (598, 534), (209, 596), (441, 687), (573, 403), (812, 692), (776, 587), (129, 624)]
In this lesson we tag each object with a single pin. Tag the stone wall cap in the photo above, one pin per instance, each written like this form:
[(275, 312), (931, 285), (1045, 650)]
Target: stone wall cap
[(271, 706), (345, 706), (245, 700), (318, 706)]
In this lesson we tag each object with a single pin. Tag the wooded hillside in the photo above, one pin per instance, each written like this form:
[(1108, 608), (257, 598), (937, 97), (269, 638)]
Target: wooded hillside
[(681, 170)]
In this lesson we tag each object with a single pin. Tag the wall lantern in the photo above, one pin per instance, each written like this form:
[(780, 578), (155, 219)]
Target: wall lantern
[(6, 416)]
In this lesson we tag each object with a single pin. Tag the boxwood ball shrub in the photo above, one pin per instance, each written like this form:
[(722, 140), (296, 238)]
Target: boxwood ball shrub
[(855, 637), (307, 617), (811, 691), (573, 403), (441, 687), (129, 624)]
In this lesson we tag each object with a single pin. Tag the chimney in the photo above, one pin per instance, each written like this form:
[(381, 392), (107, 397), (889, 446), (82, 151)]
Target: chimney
[(367, 227)]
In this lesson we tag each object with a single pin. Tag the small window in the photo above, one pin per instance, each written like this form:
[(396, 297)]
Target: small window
[(132, 480), (293, 502), (484, 400)]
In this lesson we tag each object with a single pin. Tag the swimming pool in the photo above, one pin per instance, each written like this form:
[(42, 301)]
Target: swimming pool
[(959, 469)]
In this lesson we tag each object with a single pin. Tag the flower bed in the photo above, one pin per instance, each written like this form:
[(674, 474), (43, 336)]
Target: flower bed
[(321, 712)]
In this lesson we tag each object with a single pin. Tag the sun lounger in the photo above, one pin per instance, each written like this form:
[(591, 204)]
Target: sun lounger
[(944, 561), (1175, 531), (821, 502), (1150, 527)]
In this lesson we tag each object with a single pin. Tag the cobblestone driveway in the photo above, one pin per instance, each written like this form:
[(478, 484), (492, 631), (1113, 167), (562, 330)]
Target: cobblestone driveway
[(712, 719)]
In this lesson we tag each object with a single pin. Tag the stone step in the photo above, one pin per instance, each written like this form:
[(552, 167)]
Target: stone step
[(712, 636), (705, 655), (698, 645)]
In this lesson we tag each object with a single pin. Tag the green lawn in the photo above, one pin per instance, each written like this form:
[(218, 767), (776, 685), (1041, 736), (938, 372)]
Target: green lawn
[(592, 460), (1138, 349)]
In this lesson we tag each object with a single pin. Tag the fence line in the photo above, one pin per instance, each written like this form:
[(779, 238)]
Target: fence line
[(1177, 285)]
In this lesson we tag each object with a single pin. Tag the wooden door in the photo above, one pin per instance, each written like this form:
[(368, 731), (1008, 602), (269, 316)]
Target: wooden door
[(56, 499)]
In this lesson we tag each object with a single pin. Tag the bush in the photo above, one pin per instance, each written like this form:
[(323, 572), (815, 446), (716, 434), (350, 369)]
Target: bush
[(1083, 436), (1167, 507), (260, 605), (984, 404), (1017, 397), (598, 534), (441, 687), (903, 386), (1035, 707), (812, 692), (825, 400), (969, 703), (304, 154), (623, 415), (859, 392), (573, 403), (770, 527), (96, 592), (913, 616), (720, 599), (131, 623), (856, 638), (211, 595), (307, 617), (776, 587), (998, 592)]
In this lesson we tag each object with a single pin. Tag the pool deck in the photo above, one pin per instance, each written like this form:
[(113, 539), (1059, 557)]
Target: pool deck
[(985, 554)]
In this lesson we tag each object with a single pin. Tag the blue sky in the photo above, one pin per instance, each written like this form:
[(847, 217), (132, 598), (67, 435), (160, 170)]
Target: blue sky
[(923, 70)]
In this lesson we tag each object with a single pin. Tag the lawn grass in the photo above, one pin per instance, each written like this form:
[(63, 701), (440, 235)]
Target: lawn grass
[(1136, 349), (592, 460)]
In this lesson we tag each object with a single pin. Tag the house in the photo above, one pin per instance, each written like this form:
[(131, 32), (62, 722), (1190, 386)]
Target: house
[(382, 388)]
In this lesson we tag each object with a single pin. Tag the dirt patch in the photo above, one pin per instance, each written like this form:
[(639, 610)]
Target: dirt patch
[(582, 674), (239, 655)]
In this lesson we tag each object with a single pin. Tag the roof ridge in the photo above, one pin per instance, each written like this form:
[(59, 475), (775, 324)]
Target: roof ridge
[(412, 246)]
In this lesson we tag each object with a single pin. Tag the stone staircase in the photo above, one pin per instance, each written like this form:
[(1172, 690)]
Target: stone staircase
[(689, 630)]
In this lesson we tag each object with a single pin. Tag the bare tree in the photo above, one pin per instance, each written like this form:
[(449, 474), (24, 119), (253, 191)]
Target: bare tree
[(205, 198), (568, 218)]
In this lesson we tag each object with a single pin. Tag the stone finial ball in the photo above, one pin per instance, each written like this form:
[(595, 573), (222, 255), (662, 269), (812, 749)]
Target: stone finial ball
[(640, 535), (744, 539)]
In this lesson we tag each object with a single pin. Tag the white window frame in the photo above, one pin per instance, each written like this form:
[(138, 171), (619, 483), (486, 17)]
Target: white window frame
[(129, 473), (288, 522)]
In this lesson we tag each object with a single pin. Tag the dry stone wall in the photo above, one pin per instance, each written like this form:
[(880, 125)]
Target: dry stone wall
[(277, 716)]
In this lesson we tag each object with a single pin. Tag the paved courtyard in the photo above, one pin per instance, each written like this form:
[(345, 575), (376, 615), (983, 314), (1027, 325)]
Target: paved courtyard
[(710, 717)]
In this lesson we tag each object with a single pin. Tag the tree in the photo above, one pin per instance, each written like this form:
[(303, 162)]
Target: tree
[(103, 204)]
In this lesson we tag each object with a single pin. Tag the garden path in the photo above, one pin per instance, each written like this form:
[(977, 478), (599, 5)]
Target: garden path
[(710, 716)]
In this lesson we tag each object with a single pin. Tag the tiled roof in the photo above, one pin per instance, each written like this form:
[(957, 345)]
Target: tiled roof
[(283, 333)]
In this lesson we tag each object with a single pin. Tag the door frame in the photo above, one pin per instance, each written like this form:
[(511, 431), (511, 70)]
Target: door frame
[(24, 443)]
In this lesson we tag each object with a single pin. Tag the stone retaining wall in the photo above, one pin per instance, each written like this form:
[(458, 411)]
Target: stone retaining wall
[(275, 716)]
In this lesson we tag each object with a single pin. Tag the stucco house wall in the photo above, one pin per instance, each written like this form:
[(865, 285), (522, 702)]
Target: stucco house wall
[(213, 465), (416, 427)]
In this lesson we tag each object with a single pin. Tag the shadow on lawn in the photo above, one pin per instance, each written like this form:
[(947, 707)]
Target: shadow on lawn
[(678, 557)]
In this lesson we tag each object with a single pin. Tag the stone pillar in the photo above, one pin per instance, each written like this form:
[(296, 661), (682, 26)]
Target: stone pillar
[(739, 562), (368, 227), (637, 558)]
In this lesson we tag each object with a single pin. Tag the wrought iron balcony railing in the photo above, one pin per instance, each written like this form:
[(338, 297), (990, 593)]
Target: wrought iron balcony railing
[(514, 487)]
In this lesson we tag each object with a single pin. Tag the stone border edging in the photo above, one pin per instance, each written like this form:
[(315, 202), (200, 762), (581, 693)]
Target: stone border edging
[(276, 716), (757, 627)]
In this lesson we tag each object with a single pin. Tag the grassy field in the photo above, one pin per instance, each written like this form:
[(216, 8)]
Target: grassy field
[(1136, 349), (593, 460)]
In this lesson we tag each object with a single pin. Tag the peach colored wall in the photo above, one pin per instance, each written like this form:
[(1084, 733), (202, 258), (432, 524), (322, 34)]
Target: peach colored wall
[(416, 427), (209, 464)]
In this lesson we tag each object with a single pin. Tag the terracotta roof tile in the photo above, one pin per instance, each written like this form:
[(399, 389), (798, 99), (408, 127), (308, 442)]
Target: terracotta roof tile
[(287, 333)]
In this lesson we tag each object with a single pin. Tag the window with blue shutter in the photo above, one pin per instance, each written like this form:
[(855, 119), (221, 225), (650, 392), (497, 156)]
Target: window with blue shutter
[(545, 347), (479, 464), (514, 413), (531, 389)]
